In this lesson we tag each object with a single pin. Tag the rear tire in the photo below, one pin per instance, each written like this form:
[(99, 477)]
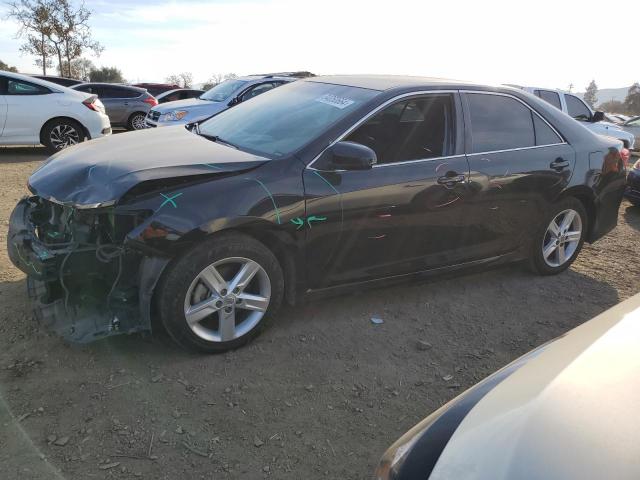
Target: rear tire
[(221, 294), (559, 239), (137, 121), (61, 133)]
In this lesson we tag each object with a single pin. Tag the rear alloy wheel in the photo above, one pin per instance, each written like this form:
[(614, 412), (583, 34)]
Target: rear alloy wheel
[(61, 134), (560, 241), (219, 295), (137, 121)]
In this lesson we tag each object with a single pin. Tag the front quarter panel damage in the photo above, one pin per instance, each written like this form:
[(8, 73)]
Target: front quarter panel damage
[(92, 272)]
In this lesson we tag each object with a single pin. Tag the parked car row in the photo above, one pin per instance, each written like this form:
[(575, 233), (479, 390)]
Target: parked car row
[(575, 107), (34, 111), (125, 105), (224, 95)]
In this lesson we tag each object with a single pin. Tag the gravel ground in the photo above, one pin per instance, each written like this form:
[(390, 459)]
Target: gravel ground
[(320, 394)]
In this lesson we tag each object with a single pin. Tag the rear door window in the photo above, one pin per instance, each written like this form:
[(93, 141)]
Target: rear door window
[(550, 97), (117, 92), (499, 123), (576, 108)]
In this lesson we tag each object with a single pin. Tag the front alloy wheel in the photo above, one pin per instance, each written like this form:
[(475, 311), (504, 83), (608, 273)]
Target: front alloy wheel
[(227, 299), (221, 293)]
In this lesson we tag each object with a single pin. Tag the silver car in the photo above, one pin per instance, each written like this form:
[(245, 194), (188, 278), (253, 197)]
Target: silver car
[(125, 105), (213, 101), (633, 127)]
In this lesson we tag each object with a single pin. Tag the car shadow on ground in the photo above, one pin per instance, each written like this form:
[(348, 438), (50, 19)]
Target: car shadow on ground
[(632, 216), (22, 154), (311, 356), (494, 296)]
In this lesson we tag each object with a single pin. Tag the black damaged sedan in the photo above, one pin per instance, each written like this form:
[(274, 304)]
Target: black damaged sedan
[(325, 183)]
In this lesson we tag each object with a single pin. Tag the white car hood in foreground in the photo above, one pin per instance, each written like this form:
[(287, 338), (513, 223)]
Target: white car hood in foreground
[(572, 412)]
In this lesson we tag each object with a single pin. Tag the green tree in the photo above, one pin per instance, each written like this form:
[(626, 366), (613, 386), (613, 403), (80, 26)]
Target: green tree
[(106, 74), (632, 102), (7, 68), (591, 94)]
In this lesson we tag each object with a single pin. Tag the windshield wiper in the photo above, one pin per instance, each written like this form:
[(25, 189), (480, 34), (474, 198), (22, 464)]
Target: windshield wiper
[(217, 139)]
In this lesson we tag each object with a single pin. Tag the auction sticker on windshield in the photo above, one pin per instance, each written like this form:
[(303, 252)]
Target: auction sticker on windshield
[(335, 101)]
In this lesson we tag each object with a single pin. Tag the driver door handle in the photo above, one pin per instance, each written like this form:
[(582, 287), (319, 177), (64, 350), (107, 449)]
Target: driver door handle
[(559, 164), (451, 180)]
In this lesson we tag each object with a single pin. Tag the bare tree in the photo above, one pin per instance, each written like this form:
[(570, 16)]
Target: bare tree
[(591, 94), (36, 26), (80, 68), (183, 80), (71, 33), (53, 28)]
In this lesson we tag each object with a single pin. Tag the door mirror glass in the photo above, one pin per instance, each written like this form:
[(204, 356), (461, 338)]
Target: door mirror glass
[(597, 117), (351, 156)]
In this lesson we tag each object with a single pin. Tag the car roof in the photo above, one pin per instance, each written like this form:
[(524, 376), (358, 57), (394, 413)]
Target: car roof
[(106, 84), (249, 78), (391, 82)]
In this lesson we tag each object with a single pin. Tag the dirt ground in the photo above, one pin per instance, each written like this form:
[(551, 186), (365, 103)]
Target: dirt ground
[(320, 394)]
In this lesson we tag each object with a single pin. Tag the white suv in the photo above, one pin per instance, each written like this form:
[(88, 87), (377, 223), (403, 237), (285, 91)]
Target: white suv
[(34, 112), (575, 107)]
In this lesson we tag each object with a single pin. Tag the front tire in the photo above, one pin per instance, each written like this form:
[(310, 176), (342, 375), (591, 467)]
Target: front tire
[(559, 239), (137, 121), (61, 133), (219, 295)]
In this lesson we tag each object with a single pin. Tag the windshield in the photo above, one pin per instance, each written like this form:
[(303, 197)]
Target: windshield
[(281, 121), (222, 91)]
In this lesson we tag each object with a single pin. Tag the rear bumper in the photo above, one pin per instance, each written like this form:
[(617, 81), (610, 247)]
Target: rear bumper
[(98, 125)]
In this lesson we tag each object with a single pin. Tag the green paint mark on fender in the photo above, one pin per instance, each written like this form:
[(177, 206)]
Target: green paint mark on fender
[(313, 218), (169, 199), (299, 222), (273, 200), (29, 264)]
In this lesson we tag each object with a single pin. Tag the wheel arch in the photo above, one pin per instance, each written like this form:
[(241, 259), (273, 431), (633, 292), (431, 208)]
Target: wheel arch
[(585, 196), (282, 244), (62, 117)]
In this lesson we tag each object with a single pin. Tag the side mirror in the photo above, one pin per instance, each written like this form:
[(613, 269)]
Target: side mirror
[(234, 101), (351, 156), (597, 117)]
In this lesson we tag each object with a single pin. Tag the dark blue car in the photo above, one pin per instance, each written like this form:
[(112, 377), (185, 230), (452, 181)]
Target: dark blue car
[(632, 192)]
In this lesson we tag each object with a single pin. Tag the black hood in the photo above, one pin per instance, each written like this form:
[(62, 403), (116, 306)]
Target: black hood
[(101, 171)]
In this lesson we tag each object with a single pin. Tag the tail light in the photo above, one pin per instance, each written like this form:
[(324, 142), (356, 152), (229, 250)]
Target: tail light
[(625, 155), (90, 103), (151, 101)]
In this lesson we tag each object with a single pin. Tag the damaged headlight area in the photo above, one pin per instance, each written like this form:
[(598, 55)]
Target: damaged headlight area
[(83, 281)]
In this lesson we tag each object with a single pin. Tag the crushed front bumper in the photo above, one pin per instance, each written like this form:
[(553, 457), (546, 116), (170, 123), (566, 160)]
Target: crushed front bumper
[(76, 291)]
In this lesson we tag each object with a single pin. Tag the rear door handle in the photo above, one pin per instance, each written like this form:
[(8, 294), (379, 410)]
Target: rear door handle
[(451, 180), (559, 164)]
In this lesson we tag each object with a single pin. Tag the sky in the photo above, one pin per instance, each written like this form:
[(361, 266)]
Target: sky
[(542, 43)]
